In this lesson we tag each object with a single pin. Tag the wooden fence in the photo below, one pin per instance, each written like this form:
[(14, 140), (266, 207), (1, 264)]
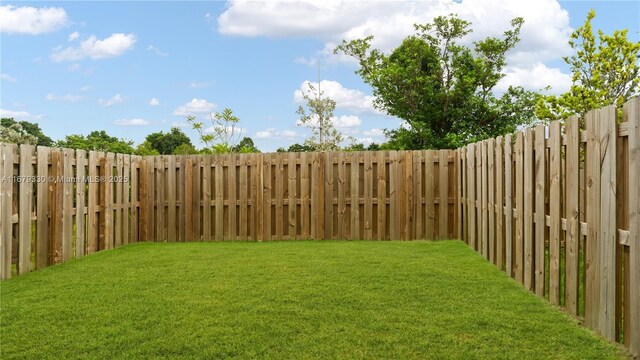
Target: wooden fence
[(558, 208), (58, 204)]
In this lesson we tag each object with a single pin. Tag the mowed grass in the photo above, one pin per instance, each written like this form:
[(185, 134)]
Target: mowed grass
[(285, 300)]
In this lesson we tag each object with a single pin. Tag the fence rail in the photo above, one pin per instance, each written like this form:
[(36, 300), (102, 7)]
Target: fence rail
[(558, 208)]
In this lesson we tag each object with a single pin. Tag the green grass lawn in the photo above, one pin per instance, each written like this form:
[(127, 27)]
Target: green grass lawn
[(279, 300)]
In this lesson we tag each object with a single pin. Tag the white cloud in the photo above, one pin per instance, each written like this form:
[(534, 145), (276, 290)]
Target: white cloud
[(277, 134), (348, 99), (73, 36), (19, 115), (536, 77), (66, 97), (116, 99), (86, 88), (195, 106), (544, 34), (154, 102), (7, 77), (373, 132), (157, 51), (30, 20), (346, 121), (132, 122), (94, 48), (199, 85)]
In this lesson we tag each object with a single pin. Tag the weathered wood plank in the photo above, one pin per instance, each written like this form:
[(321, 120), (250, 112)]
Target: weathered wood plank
[(394, 212), (430, 192), (232, 196), (279, 195), (171, 199), (126, 202), (355, 196), (491, 199), (6, 193), (368, 195), (206, 197), (188, 200), (572, 239), (471, 196), (508, 203), (592, 255), (56, 203), (607, 242), (342, 193), (632, 117), (529, 240), (519, 223), (81, 187), (499, 164), (244, 192), (554, 212), (42, 207), (305, 197), (292, 195), (329, 194), (540, 212), (443, 196), (67, 207), (25, 191), (218, 184), (381, 228), (118, 199)]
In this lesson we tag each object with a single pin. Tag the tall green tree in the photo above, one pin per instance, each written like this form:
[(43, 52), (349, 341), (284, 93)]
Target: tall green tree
[(442, 89), (29, 128), (98, 141), (604, 71), (166, 143)]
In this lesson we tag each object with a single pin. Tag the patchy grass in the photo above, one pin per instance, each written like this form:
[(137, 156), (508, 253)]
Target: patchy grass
[(299, 300)]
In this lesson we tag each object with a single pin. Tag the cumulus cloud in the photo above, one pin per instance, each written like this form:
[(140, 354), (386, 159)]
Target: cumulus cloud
[(31, 20), (536, 77), (7, 77), (116, 99), (132, 122), (154, 102), (66, 97), (19, 115), (544, 34), (193, 107), (347, 99), (272, 133), (94, 48)]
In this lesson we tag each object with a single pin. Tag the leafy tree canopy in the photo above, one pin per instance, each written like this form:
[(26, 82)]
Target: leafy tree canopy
[(98, 141), (443, 90), (245, 146), (31, 129), (167, 143), (604, 72)]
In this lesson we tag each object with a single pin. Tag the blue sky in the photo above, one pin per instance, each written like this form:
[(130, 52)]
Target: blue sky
[(132, 68)]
